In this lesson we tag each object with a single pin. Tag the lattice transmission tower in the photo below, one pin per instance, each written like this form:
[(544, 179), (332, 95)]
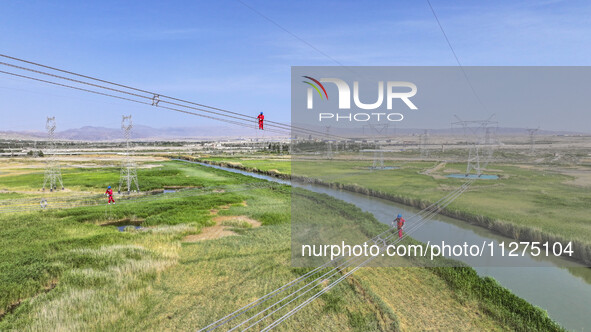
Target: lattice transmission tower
[(532, 139), (378, 157), (378, 153), (480, 135), (128, 175), (328, 144), (424, 141), (53, 172)]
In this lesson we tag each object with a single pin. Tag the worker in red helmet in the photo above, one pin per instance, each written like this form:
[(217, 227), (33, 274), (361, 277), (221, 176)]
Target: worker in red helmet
[(261, 117), (109, 193)]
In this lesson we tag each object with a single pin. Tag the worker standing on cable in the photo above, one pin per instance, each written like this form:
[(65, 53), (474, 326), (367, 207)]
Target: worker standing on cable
[(399, 223), (109, 193), (261, 117)]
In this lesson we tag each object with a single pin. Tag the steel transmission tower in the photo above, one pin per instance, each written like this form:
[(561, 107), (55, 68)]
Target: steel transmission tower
[(328, 144), (378, 156), (128, 175), (35, 151), (378, 153), (53, 172), (481, 142), (532, 140), (424, 141)]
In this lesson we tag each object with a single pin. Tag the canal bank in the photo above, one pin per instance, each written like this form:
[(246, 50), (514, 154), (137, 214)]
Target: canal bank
[(565, 293)]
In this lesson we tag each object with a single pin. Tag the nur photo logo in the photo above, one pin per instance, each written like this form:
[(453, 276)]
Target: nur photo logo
[(389, 90)]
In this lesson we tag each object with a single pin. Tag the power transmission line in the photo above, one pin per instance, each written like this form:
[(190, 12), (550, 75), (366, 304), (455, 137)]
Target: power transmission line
[(155, 98), (290, 33), (456, 57), (381, 247), (423, 215), (135, 101)]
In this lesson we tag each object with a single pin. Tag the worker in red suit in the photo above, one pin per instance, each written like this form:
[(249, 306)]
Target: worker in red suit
[(399, 222), (109, 193), (261, 117)]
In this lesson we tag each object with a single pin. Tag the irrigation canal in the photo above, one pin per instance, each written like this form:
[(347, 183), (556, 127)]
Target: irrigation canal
[(565, 293)]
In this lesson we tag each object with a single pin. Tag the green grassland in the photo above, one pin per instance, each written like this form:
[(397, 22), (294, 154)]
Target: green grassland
[(11, 195), (65, 270), (527, 202), (539, 202), (168, 174), (255, 163)]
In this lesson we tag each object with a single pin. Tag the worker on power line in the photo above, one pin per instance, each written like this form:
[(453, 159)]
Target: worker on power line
[(261, 117), (109, 193), (399, 223)]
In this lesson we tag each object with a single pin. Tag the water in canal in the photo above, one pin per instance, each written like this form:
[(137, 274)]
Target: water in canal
[(565, 293)]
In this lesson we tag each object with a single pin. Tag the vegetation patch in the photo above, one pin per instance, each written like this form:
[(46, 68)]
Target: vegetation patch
[(150, 279)]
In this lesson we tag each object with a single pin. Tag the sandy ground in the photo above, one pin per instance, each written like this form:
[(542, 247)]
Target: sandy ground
[(80, 161), (219, 230), (435, 169), (582, 176)]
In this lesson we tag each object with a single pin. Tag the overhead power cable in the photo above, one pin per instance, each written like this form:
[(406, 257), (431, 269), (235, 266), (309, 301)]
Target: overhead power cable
[(424, 214), (136, 101), (238, 312), (326, 276), (355, 268), (156, 97), (456, 57), (290, 33)]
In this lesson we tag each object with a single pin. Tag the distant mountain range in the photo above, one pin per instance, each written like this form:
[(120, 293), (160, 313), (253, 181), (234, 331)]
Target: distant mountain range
[(140, 132)]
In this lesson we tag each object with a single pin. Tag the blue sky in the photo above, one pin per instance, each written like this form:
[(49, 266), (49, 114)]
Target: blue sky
[(223, 54)]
